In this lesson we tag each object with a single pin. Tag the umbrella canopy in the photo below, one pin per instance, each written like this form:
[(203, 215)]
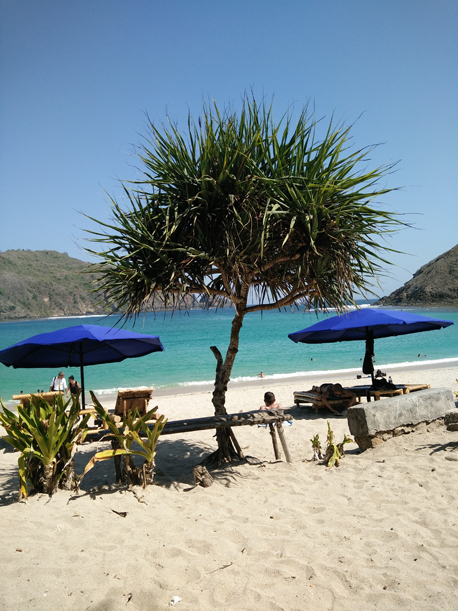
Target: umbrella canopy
[(367, 324), (78, 346)]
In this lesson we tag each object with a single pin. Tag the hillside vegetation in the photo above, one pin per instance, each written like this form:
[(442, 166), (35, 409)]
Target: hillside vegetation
[(436, 283), (44, 283)]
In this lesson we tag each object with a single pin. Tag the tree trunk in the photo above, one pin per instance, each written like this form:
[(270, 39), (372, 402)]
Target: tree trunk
[(224, 369), (148, 473), (67, 481), (48, 478), (227, 449), (130, 471), (117, 461)]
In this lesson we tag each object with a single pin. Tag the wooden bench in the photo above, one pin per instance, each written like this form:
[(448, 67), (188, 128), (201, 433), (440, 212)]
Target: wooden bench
[(273, 418)]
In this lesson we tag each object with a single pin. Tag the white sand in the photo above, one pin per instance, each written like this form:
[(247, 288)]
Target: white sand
[(377, 533)]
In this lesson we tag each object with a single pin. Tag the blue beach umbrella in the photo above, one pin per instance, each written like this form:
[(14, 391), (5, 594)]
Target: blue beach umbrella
[(367, 324), (79, 346)]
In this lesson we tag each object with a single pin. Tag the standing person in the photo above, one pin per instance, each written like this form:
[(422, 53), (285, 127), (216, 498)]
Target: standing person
[(59, 383), (73, 387)]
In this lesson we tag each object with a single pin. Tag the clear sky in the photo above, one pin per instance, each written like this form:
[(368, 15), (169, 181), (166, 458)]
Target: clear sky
[(77, 77)]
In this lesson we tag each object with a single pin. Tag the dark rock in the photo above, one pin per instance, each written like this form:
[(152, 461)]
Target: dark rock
[(436, 283), (451, 416)]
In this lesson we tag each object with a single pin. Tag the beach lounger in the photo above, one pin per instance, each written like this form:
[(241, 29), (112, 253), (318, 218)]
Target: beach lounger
[(314, 399), (401, 389), (47, 396), (413, 387), (132, 399), (126, 401)]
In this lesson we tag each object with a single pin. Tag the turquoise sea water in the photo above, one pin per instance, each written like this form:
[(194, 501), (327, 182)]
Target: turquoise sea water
[(187, 359)]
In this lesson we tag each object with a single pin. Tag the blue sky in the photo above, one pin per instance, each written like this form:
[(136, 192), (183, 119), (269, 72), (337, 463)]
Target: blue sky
[(77, 78)]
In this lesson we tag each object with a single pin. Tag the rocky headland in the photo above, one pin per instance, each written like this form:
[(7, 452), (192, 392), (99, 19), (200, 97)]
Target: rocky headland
[(436, 284)]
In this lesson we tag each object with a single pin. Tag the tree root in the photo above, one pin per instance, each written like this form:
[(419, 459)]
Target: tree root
[(227, 451)]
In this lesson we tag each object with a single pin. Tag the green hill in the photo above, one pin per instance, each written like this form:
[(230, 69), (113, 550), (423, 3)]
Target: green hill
[(43, 283)]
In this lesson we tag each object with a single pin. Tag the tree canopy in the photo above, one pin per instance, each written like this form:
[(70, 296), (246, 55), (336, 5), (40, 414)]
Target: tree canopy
[(241, 202), (244, 202)]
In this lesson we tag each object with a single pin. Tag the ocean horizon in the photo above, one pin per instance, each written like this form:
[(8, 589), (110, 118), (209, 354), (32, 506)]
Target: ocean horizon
[(188, 362)]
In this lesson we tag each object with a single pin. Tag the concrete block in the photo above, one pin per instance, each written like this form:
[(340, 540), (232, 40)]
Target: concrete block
[(368, 419)]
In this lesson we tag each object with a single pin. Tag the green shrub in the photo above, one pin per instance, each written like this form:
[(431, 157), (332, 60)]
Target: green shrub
[(122, 439), (47, 436)]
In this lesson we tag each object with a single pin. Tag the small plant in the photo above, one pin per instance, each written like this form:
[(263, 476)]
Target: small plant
[(316, 446), (122, 439), (340, 446), (334, 452), (47, 436)]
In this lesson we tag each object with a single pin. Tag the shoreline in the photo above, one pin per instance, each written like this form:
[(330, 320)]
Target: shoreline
[(346, 376), (302, 379), (415, 373), (364, 304)]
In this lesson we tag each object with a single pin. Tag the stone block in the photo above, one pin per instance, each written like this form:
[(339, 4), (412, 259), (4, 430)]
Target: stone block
[(369, 420)]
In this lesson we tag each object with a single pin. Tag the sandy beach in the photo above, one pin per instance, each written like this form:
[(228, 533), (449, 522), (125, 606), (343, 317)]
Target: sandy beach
[(379, 532)]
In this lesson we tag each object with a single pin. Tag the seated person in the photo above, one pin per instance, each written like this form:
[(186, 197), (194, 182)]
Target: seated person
[(334, 392), (270, 402)]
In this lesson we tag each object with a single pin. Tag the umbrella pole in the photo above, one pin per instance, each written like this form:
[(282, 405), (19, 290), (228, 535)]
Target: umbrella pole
[(368, 363), (83, 400)]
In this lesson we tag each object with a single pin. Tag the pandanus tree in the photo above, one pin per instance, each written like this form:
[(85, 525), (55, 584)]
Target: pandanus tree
[(245, 209)]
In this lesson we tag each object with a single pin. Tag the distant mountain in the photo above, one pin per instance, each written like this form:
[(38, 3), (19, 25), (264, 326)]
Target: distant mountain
[(44, 283), (436, 283)]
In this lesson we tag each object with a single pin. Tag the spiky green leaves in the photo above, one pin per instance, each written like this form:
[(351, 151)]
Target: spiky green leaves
[(46, 435), (241, 201), (134, 428)]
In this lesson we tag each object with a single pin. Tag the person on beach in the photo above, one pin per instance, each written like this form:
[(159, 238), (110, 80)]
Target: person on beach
[(59, 383), (261, 375), (270, 402), (334, 392), (329, 392), (73, 386)]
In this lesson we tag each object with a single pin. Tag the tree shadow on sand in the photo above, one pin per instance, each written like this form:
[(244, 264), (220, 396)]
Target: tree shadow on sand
[(8, 476), (175, 461), (449, 447), (307, 413)]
